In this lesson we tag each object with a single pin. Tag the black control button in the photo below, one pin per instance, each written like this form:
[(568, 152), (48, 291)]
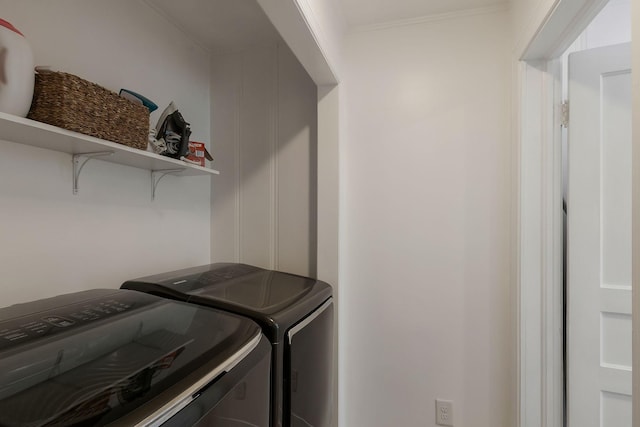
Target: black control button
[(58, 321)]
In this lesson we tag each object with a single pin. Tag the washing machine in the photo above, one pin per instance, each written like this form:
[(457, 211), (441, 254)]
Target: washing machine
[(124, 358), (296, 315)]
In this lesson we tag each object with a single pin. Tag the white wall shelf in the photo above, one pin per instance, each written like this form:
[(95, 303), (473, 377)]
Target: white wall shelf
[(29, 132)]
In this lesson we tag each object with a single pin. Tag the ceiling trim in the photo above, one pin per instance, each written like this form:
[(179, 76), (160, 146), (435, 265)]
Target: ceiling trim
[(293, 26), (312, 21), (494, 8), (564, 23)]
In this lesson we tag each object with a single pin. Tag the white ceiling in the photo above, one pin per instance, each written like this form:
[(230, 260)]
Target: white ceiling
[(369, 12), (220, 25), (233, 25)]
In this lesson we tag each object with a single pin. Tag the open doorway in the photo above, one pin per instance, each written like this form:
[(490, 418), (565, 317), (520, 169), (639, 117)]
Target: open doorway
[(596, 171), (571, 28)]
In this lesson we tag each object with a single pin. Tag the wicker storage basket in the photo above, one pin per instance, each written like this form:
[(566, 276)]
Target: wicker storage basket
[(69, 102)]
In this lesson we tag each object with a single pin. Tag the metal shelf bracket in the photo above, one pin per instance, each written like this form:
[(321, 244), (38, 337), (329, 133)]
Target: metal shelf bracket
[(81, 159), (156, 176)]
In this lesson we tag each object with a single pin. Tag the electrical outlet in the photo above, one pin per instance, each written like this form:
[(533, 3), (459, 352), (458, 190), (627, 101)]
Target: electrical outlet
[(444, 412)]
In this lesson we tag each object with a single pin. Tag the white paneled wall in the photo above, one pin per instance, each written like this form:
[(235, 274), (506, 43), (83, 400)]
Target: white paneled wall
[(257, 164), (296, 173), (425, 238), (53, 242), (264, 137)]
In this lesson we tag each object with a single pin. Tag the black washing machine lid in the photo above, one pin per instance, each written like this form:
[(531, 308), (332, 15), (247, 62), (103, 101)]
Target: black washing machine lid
[(93, 357), (276, 300)]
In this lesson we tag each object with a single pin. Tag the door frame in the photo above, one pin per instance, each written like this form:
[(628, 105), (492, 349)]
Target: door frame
[(538, 210), (299, 27)]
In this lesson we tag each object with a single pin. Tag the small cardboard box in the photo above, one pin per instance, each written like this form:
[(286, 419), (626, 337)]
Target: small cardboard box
[(197, 152)]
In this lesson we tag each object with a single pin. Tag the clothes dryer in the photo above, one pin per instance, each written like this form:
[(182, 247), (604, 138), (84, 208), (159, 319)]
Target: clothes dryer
[(296, 315)]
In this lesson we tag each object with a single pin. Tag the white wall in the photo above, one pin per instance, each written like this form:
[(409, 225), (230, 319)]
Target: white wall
[(611, 26), (425, 243), (54, 242), (264, 135)]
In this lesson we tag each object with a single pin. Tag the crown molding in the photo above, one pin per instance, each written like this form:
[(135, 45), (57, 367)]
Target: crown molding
[(494, 8)]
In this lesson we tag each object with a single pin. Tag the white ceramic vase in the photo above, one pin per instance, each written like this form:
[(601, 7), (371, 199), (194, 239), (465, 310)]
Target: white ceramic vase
[(16, 71)]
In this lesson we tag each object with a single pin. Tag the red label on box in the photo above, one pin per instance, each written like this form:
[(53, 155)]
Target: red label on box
[(196, 152)]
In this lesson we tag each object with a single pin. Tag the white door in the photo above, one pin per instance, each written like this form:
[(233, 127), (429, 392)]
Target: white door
[(599, 238)]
